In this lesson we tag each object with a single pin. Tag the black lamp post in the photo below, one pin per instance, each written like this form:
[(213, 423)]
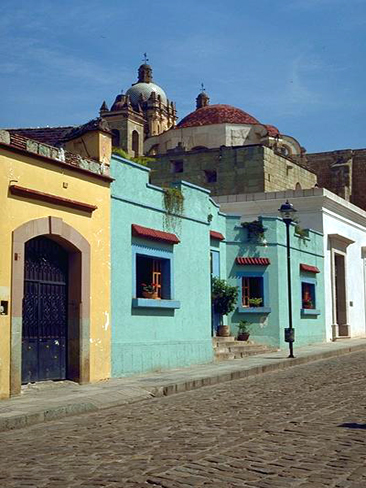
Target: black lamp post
[(287, 212)]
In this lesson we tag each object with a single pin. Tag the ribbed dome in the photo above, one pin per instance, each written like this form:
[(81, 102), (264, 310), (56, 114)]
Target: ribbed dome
[(145, 89), (217, 114)]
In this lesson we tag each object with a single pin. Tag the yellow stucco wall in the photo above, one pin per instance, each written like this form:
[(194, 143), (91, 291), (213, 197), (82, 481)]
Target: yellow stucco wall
[(35, 174), (94, 144)]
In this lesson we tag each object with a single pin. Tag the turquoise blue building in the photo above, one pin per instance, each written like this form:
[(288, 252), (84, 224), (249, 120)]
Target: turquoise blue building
[(148, 246), (257, 264), (178, 255)]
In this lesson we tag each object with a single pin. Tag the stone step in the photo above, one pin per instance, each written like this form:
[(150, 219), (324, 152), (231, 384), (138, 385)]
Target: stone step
[(253, 349), (247, 344), (224, 356), (227, 348), (223, 339)]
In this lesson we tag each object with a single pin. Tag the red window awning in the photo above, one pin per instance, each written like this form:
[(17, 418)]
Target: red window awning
[(253, 261), (216, 235), (309, 269), (155, 235)]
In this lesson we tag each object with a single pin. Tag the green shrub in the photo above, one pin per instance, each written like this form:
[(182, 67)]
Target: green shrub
[(224, 296)]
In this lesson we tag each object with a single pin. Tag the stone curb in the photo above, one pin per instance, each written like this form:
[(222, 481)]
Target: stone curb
[(17, 421), (253, 371)]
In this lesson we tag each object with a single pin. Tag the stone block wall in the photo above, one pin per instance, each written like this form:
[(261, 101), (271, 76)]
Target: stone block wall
[(282, 173), (241, 169), (343, 172), (238, 170)]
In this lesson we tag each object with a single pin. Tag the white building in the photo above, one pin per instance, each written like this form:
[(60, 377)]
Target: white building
[(344, 228)]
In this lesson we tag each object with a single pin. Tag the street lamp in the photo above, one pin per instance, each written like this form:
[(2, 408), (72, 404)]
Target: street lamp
[(287, 212)]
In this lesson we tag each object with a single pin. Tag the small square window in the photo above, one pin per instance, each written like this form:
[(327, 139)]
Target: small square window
[(211, 176), (177, 166), (252, 291), (152, 273), (307, 295)]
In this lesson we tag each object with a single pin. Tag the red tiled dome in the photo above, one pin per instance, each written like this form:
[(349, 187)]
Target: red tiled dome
[(272, 130), (217, 114)]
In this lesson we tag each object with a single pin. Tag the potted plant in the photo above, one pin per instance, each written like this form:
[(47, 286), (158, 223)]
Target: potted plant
[(224, 299), (306, 300), (255, 302), (149, 291), (244, 330)]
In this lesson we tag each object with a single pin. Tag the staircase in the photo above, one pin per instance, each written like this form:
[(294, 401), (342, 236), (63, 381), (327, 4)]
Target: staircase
[(228, 348)]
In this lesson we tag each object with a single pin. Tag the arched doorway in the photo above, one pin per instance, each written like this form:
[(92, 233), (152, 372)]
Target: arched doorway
[(50, 264), (45, 317)]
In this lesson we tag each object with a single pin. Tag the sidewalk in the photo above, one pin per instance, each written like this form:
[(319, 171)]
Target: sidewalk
[(48, 401)]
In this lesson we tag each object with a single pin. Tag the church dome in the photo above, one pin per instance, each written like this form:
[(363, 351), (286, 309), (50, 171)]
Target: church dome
[(145, 89), (272, 130), (217, 114)]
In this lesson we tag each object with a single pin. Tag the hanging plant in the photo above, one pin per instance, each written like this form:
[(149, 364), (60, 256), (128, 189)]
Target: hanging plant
[(255, 229), (301, 233), (174, 207)]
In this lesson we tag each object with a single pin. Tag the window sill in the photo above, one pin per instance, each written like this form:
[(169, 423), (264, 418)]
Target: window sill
[(151, 303), (310, 311), (261, 310)]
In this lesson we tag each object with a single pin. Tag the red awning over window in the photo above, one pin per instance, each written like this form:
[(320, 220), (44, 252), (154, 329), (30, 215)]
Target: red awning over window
[(155, 235), (309, 269), (216, 235), (255, 261)]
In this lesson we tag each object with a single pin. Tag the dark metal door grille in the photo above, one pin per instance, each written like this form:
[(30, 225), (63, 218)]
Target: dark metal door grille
[(44, 311)]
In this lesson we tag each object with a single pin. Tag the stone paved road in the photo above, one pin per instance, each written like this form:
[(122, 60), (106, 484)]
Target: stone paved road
[(303, 427)]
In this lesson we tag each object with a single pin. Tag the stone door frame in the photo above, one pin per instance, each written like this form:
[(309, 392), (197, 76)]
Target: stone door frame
[(338, 245), (78, 299)]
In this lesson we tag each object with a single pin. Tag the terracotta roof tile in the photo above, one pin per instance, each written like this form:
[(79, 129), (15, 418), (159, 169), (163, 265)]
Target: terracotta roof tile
[(253, 261), (309, 269), (47, 135), (217, 114), (33, 147), (153, 234), (272, 130), (216, 235)]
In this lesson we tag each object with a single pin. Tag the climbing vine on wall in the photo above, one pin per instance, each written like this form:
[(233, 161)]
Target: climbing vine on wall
[(173, 201)]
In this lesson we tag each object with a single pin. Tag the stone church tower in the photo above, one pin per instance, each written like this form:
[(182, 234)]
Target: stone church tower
[(143, 111)]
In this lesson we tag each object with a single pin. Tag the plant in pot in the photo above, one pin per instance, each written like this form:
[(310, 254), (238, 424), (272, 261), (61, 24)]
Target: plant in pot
[(149, 291), (255, 302), (244, 330), (306, 300), (224, 299)]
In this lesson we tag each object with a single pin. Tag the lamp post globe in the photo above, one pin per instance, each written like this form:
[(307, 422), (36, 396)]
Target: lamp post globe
[(287, 212)]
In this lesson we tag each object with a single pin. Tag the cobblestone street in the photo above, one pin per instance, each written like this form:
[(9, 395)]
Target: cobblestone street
[(303, 427)]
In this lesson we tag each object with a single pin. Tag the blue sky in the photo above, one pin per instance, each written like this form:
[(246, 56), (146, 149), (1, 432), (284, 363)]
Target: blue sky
[(299, 65)]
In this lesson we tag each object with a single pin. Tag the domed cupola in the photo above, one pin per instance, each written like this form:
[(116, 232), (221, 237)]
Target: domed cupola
[(143, 111), (217, 114), (141, 91), (145, 73), (203, 99)]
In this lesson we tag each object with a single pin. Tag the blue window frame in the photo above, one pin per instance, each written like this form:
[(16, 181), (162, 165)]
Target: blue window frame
[(153, 265), (308, 296), (253, 292), (215, 263)]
